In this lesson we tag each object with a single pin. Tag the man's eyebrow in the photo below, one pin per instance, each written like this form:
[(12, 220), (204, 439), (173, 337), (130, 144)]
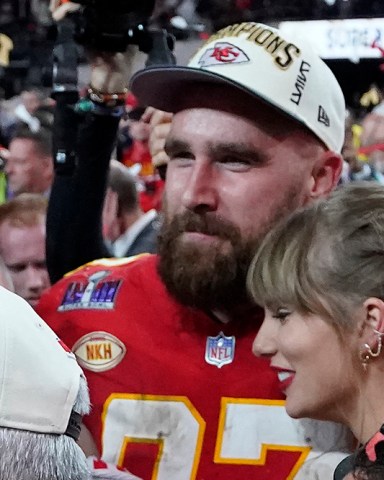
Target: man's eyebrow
[(240, 150), (222, 150), (17, 265), (174, 145)]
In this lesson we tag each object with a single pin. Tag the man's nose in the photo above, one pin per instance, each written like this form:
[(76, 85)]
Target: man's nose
[(36, 278), (200, 192)]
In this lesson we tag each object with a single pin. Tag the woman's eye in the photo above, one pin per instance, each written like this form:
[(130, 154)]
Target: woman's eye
[(281, 314)]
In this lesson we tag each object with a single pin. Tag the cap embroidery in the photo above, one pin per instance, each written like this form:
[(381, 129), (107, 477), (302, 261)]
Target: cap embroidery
[(222, 53), (301, 81), (322, 117)]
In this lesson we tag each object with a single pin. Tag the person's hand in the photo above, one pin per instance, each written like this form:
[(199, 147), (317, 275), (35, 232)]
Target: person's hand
[(60, 8), (160, 123), (110, 71)]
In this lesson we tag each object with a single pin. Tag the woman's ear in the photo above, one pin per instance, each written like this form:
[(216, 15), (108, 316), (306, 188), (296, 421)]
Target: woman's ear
[(371, 331), (373, 321)]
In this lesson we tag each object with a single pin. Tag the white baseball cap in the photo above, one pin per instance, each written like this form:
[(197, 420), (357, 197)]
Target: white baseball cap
[(39, 376), (283, 72)]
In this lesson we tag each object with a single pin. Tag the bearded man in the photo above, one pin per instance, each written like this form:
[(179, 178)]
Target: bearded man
[(166, 340)]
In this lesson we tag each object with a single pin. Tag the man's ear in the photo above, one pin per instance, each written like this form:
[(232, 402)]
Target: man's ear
[(48, 163), (110, 212), (326, 174)]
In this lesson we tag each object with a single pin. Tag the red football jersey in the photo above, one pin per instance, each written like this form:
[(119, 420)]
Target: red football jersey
[(176, 395)]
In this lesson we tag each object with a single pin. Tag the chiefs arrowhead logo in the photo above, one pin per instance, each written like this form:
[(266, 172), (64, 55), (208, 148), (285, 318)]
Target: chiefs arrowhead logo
[(222, 53)]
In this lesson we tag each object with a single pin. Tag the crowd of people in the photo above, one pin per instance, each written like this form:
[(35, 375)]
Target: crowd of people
[(208, 249)]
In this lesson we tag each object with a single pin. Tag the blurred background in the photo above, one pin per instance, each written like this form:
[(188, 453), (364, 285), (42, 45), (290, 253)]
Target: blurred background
[(348, 33)]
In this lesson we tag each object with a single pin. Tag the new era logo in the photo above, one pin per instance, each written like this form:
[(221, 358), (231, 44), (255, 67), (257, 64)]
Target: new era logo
[(322, 117), (222, 53)]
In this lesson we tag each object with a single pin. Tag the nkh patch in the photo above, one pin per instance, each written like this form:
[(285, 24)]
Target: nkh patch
[(99, 293), (99, 351), (220, 350), (222, 53)]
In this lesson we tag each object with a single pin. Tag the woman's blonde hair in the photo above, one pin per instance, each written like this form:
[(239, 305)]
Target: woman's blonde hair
[(326, 258)]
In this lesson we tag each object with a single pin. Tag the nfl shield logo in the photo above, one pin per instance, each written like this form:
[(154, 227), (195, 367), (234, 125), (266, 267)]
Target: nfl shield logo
[(220, 350)]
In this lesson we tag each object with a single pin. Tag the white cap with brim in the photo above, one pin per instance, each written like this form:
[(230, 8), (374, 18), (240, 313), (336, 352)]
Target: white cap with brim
[(286, 73), (39, 376)]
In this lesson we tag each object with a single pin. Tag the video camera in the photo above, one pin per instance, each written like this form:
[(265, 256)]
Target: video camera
[(112, 25), (107, 25)]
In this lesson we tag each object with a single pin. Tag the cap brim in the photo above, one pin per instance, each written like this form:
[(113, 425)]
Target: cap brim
[(161, 87), (166, 88)]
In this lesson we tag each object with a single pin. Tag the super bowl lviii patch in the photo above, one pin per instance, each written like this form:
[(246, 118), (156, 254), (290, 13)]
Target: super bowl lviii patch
[(99, 351), (98, 293), (220, 350)]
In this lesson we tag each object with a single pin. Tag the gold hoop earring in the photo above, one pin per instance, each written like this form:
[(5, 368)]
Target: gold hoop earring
[(367, 353), (365, 357), (379, 345)]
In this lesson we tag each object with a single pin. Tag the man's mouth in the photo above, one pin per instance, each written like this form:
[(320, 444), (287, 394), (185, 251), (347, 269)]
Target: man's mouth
[(200, 237)]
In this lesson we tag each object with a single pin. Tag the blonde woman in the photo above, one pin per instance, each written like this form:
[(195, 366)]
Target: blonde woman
[(320, 276)]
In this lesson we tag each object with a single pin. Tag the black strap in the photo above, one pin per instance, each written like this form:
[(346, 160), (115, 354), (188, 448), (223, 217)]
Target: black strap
[(74, 426)]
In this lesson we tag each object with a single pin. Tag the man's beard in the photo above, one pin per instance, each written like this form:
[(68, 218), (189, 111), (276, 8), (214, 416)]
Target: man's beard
[(211, 277)]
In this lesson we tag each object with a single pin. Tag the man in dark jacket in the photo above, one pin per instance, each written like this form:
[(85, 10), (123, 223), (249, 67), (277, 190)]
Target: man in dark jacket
[(127, 229)]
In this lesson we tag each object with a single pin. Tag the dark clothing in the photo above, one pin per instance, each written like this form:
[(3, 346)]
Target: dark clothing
[(140, 237), (345, 466), (74, 233), (146, 241), (367, 462)]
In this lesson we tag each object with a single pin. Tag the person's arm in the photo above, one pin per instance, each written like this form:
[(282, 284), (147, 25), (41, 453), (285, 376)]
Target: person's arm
[(74, 230), (74, 233), (87, 443)]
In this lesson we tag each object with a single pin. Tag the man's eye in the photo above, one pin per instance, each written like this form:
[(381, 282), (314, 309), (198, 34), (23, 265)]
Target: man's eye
[(282, 314), (235, 159), (235, 163), (181, 162), (42, 265)]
